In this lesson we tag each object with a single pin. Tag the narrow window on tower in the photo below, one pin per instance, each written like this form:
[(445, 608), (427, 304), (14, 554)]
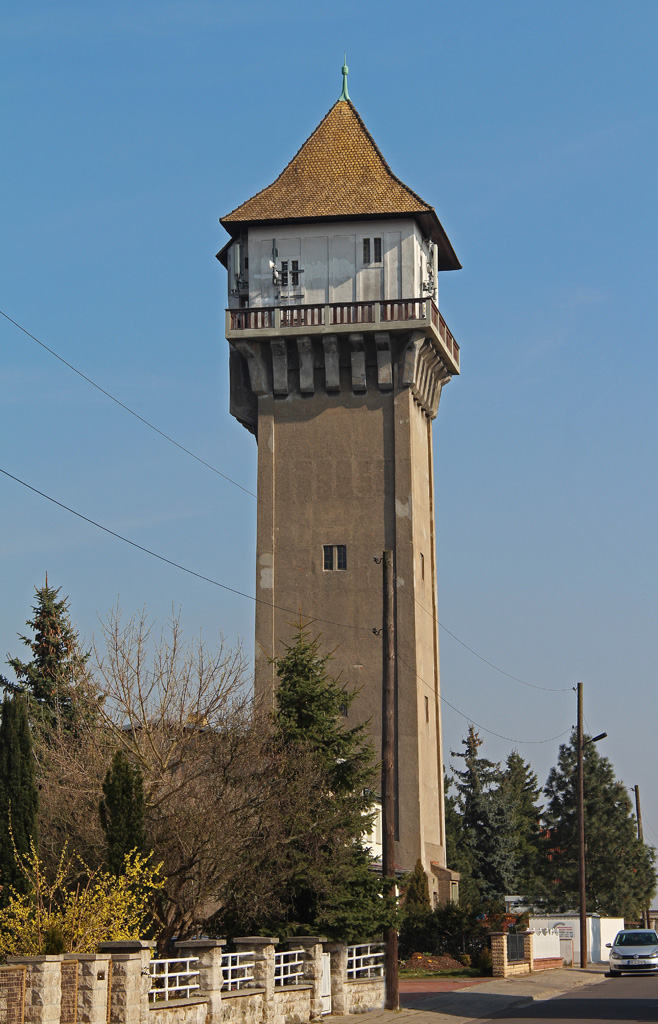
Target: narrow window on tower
[(334, 557), (427, 709), (366, 250), (422, 566)]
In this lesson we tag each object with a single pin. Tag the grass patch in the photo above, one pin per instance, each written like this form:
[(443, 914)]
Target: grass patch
[(420, 972)]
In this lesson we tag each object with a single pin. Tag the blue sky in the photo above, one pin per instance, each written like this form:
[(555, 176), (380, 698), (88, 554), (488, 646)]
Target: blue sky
[(130, 128)]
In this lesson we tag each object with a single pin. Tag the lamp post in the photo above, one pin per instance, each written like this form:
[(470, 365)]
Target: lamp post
[(581, 825)]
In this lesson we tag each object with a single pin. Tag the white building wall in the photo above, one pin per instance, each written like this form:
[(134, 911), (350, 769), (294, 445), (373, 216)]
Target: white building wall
[(599, 931), (330, 260)]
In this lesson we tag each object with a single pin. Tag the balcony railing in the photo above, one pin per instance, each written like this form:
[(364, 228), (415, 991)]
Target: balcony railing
[(342, 315)]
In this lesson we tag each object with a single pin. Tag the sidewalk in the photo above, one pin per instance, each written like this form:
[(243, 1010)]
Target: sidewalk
[(426, 1004)]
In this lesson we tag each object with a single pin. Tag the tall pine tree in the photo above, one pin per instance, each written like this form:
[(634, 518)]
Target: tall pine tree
[(458, 852), (56, 681), (122, 812), (519, 785), (323, 873), (18, 793), (621, 874), (487, 820), (337, 892)]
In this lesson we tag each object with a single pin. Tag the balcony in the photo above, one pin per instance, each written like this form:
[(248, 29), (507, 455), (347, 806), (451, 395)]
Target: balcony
[(337, 317)]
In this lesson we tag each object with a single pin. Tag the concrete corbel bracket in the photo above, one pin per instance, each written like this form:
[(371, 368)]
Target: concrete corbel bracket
[(258, 375), (279, 366), (409, 367), (358, 360), (306, 375), (384, 363), (331, 362)]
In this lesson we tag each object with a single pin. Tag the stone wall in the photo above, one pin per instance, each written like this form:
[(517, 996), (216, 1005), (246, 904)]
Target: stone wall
[(243, 1006), (292, 1005), (190, 1011), (112, 986), (364, 994)]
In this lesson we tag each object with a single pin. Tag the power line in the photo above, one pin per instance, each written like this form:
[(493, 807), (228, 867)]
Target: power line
[(230, 480), (169, 561), (150, 425), (517, 679), (127, 408), (471, 720), (249, 597)]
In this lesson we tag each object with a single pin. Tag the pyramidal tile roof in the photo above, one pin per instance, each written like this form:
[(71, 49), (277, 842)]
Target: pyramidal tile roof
[(339, 172)]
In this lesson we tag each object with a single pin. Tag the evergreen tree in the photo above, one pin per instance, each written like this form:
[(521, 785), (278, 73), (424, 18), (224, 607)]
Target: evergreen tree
[(621, 875), (459, 856), (18, 793), (57, 681), (416, 928), (122, 812), (417, 891), (519, 784), (486, 820), (324, 874)]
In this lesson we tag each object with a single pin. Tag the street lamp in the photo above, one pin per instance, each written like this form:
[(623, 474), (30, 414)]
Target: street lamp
[(581, 827)]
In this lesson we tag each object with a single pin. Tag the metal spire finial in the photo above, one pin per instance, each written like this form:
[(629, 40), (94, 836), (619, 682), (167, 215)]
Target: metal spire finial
[(344, 94)]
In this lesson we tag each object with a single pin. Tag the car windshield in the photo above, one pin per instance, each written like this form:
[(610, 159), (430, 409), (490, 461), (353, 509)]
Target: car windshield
[(636, 939)]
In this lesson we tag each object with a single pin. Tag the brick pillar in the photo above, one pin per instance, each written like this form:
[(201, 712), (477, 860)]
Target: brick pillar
[(338, 953), (209, 952), (528, 949), (264, 948), (130, 980), (43, 987), (93, 977), (313, 949), (498, 954)]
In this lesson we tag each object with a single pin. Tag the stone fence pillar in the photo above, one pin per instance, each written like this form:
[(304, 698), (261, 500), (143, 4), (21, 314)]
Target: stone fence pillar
[(338, 954), (93, 986), (313, 949), (43, 987), (264, 949), (129, 995), (528, 948), (498, 954), (211, 978)]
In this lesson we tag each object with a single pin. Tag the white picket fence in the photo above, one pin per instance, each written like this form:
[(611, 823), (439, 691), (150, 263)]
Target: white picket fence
[(546, 943)]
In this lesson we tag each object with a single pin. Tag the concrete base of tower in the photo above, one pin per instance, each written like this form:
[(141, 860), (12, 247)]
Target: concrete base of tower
[(444, 883)]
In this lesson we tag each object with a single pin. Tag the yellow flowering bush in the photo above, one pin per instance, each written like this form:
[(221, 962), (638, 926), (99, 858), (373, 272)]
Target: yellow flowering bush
[(62, 915)]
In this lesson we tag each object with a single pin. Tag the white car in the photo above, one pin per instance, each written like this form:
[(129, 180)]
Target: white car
[(634, 952)]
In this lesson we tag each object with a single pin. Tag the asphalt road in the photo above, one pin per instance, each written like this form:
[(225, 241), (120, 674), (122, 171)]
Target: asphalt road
[(616, 999)]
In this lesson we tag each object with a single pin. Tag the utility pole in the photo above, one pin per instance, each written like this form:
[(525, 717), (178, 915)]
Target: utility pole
[(388, 775), (581, 832), (580, 801), (640, 836)]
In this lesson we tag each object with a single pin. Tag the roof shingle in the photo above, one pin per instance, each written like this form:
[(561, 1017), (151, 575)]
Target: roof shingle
[(339, 172)]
